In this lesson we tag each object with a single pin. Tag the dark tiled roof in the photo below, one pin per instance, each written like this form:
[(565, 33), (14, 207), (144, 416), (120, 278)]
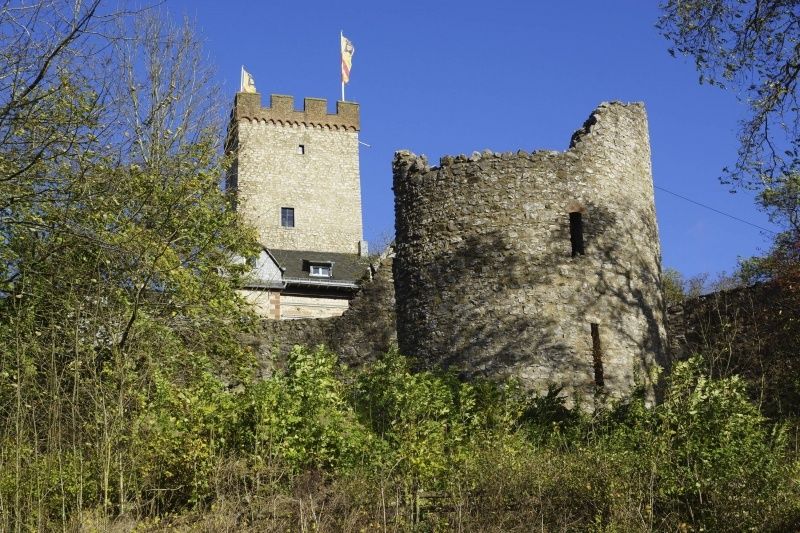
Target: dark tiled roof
[(347, 268)]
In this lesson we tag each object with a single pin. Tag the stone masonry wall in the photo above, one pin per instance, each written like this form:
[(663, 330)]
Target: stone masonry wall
[(484, 274), (752, 332), (295, 307), (366, 330), (322, 184)]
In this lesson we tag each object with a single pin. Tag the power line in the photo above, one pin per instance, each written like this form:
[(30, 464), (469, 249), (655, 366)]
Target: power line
[(715, 210)]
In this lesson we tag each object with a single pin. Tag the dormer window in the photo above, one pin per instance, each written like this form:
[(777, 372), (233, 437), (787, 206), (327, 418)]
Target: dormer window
[(320, 270)]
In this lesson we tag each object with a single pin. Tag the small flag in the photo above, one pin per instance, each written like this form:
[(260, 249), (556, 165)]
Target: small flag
[(347, 58), (248, 84)]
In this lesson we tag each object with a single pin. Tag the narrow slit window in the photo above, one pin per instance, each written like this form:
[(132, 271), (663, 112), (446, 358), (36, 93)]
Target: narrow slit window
[(287, 217), (301, 149), (597, 356), (576, 233)]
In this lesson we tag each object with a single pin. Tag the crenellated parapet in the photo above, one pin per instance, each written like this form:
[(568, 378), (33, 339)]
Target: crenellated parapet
[(301, 164), (281, 111)]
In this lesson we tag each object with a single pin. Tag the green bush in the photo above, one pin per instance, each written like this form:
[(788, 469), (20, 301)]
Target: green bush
[(318, 446), (720, 463), (301, 417)]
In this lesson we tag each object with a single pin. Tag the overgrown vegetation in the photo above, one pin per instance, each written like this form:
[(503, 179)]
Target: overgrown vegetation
[(319, 447), (116, 321), (750, 46)]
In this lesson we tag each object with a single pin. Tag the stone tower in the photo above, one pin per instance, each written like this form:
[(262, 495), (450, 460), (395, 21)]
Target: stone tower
[(543, 265), (296, 178), (297, 175)]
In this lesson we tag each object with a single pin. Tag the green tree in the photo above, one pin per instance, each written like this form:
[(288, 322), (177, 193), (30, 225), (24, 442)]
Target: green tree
[(782, 264), (672, 282), (118, 315), (710, 441), (752, 46)]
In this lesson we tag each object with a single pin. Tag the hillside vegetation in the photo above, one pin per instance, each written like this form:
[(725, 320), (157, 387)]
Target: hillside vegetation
[(323, 448)]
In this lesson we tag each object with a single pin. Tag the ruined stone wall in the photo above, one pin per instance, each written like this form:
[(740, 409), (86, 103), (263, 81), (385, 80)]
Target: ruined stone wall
[(366, 330), (320, 181), (752, 332), (485, 277)]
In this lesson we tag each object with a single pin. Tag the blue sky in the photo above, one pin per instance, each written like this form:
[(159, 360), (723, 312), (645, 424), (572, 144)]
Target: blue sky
[(450, 77)]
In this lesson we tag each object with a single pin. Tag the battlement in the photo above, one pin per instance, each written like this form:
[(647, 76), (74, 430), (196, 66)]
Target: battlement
[(281, 111)]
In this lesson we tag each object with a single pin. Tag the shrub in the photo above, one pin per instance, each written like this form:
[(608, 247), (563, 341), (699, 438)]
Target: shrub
[(301, 417), (719, 463)]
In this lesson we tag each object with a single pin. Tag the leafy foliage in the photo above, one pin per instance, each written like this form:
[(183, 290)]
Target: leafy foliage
[(301, 417), (750, 45), (389, 448), (782, 264), (117, 299), (713, 443)]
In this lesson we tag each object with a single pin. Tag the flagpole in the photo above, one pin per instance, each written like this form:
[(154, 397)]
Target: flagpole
[(341, 36), (241, 79)]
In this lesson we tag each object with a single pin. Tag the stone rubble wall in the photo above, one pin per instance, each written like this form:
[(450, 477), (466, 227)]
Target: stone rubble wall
[(365, 331), (752, 332), (484, 275)]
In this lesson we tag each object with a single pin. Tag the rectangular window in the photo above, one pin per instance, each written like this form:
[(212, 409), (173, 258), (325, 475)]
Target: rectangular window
[(576, 233), (287, 217), (301, 149), (597, 356), (320, 271)]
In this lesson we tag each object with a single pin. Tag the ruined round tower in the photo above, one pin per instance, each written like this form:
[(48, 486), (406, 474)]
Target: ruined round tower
[(543, 265)]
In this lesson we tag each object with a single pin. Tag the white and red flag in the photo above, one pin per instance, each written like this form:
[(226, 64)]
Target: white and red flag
[(347, 58)]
